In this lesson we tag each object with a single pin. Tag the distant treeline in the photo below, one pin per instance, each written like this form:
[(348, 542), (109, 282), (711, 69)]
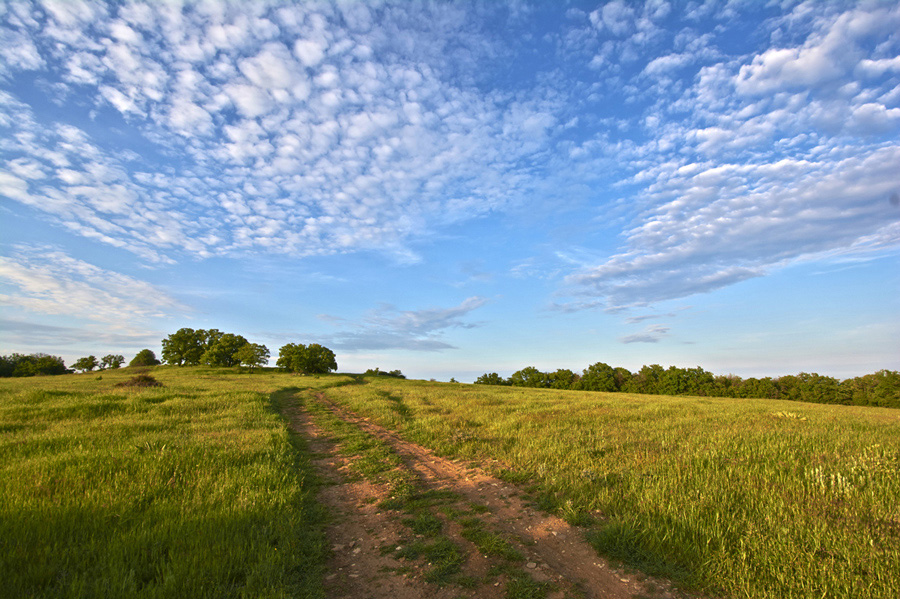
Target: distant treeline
[(879, 389), (15, 365), (31, 365)]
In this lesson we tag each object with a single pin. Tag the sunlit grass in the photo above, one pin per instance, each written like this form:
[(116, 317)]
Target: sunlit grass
[(747, 498), (197, 488), (194, 489)]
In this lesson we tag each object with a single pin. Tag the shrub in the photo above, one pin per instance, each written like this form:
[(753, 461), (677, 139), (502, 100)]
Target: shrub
[(141, 380)]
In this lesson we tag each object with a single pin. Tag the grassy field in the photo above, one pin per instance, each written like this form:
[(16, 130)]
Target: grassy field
[(194, 489), (740, 498), (197, 489)]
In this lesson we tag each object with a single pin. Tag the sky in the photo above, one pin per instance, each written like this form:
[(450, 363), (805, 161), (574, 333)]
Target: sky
[(454, 188)]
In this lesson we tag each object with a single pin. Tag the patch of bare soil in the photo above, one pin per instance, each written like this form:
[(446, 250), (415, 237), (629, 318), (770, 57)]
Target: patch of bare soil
[(554, 551), (358, 569)]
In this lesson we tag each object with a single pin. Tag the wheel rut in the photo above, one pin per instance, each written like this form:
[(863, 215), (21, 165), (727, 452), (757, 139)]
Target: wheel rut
[(555, 555)]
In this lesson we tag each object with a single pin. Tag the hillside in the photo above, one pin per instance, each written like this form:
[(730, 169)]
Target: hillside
[(198, 486)]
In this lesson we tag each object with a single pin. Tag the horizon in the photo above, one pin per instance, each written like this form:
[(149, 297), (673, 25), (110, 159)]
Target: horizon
[(457, 189)]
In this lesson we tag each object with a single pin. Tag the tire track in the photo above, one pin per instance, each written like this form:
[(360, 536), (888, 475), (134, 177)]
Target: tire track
[(555, 550)]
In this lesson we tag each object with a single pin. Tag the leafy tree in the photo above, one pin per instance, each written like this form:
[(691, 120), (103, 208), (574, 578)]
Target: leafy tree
[(378, 372), (321, 359), (623, 375), (491, 379), (599, 377), (886, 391), (252, 355), (563, 379), (645, 380), (529, 377), (145, 357), (223, 349), (86, 364), (112, 361), (314, 359), (185, 347), (31, 365)]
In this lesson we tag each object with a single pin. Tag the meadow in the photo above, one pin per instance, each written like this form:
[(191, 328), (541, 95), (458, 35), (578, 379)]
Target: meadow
[(735, 498), (198, 489), (193, 489)]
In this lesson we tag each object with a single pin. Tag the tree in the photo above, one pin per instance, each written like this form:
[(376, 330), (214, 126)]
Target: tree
[(379, 372), (252, 355), (86, 364), (320, 359), (145, 357), (529, 377), (185, 347), (491, 379), (111, 361), (223, 349), (314, 359), (563, 378), (645, 380), (599, 377), (31, 365)]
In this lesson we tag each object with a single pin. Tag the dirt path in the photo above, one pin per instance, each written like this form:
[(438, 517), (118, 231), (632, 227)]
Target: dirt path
[(357, 568), (554, 551)]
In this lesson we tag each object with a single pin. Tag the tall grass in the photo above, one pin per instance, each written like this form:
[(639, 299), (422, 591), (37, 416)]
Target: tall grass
[(743, 498), (194, 489)]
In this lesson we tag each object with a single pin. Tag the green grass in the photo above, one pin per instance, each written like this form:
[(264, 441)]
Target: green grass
[(194, 489), (743, 498), (197, 489)]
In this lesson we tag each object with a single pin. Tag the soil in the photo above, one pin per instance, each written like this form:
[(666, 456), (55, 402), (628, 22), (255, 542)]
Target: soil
[(363, 537)]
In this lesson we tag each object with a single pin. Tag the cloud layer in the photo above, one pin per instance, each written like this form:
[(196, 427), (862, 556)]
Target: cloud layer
[(784, 154), (301, 129), (191, 130)]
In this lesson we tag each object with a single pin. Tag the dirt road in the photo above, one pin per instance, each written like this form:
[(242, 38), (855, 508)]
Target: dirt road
[(545, 556)]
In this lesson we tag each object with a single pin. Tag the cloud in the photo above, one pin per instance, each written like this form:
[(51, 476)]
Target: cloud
[(46, 281), (828, 55), (417, 330), (26, 336), (732, 222), (302, 129), (616, 17), (651, 334), (757, 166)]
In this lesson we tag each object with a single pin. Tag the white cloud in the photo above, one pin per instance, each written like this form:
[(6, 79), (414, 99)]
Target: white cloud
[(617, 17), (312, 120), (387, 328), (827, 55), (17, 51), (651, 334), (47, 281), (272, 68), (728, 223), (664, 64), (310, 52)]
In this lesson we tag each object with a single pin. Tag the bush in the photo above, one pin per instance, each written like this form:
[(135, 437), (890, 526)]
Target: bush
[(378, 372), (141, 380), (145, 357)]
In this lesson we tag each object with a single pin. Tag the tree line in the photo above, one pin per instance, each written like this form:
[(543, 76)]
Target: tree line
[(212, 347), (185, 347), (879, 389)]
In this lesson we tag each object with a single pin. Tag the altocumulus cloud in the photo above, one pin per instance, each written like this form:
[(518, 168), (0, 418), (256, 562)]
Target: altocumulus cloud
[(298, 128), (204, 129), (769, 158)]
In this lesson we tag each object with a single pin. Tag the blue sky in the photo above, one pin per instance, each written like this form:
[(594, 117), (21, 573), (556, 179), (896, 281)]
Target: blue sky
[(455, 188)]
